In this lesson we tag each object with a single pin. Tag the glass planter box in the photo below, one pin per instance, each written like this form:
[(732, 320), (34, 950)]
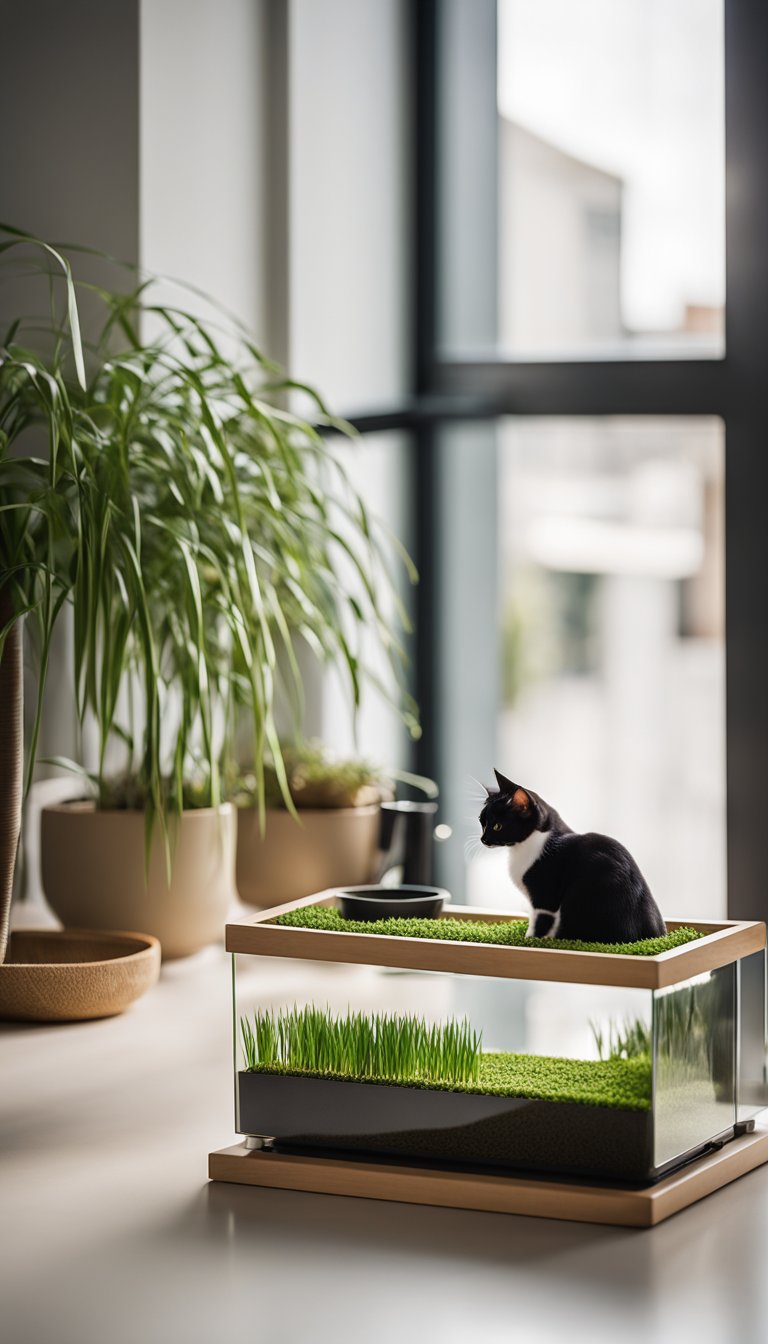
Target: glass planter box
[(599, 1065)]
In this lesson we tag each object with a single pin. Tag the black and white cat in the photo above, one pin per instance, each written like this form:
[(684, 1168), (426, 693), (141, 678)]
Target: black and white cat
[(586, 887)]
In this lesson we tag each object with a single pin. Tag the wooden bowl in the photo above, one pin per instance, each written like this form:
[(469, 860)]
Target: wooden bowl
[(71, 975)]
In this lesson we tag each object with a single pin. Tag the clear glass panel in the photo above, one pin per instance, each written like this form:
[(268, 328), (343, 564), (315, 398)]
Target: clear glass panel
[(753, 1079), (609, 645), (694, 1042), (580, 1079), (564, 1080)]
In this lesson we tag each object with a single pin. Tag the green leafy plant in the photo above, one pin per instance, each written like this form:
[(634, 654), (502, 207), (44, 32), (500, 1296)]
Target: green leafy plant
[(26, 587), (396, 1048), (155, 481), (407, 1052), (316, 779), (508, 933)]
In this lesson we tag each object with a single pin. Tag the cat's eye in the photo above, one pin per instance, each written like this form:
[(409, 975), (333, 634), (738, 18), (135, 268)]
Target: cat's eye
[(497, 825)]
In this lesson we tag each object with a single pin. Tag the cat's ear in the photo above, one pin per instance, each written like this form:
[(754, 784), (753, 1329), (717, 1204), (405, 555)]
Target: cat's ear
[(505, 785), (518, 797)]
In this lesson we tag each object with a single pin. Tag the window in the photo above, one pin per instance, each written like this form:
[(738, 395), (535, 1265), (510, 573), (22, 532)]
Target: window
[(587, 470)]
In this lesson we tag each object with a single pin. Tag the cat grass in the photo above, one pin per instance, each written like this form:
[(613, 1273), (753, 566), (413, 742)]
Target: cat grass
[(397, 1047), (402, 1050), (506, 933)]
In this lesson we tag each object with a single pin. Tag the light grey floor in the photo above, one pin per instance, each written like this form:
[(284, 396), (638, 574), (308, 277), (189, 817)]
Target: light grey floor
[(110, 1234)]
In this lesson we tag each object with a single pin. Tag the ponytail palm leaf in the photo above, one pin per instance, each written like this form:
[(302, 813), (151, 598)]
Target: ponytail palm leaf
[(196, 527)]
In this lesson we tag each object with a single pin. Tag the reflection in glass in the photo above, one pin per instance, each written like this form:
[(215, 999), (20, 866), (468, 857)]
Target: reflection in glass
[(752, 1076), (694, 1029)]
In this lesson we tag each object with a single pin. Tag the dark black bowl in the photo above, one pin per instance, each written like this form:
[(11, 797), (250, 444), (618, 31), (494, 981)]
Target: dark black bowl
[(375, 902)]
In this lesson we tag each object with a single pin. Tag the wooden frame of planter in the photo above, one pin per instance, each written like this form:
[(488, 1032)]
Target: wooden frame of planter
[(317, 1122), (723, 943)]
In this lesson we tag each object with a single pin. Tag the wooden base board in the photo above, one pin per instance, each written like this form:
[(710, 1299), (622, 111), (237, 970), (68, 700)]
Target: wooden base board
[(490, 1192)]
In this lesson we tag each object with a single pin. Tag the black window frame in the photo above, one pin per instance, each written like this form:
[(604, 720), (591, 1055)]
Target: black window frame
[(730, 387)]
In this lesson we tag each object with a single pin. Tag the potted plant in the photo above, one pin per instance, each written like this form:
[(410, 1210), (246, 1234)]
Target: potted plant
[(195, 527), (331, 838)]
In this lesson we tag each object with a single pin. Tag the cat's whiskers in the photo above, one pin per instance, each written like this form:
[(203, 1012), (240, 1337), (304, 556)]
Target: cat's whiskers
[(471, 847)]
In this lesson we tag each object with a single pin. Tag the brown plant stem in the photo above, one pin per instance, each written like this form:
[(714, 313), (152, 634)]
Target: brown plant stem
[(11, 762)]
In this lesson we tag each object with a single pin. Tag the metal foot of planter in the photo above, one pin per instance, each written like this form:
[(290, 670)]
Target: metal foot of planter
[(582, 1202)]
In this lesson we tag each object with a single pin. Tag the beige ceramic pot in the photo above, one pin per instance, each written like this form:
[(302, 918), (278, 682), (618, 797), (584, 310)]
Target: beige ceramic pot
[(93, 873), (332, 847)]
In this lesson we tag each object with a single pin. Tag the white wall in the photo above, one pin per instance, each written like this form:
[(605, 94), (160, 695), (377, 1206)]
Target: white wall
[(202, 139), (349, 194), (349, 199)]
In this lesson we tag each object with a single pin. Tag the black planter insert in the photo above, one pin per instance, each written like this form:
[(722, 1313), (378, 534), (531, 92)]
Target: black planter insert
[(470, 1128), (375, 902)]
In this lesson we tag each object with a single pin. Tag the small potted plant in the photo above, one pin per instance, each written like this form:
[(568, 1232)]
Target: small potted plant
[(329, 838), (192, 525)]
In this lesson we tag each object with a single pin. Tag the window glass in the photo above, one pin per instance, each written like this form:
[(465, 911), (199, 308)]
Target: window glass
[(611, 177), (582, 197), (608, 644)]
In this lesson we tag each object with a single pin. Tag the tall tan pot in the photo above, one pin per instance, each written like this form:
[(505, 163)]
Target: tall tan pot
[(93, 873), (330, 847)]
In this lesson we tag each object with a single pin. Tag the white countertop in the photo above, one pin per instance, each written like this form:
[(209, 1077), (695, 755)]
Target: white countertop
[(111, 1234)]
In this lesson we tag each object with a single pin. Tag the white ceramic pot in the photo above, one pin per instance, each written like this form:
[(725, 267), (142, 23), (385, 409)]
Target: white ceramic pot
[(329, 847), (93, 873)]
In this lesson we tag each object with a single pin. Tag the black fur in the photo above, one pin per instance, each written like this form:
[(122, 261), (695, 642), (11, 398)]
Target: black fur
[(591, 881)]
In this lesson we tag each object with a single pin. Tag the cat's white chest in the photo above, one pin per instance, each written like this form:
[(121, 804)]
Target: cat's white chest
[(521, 857)]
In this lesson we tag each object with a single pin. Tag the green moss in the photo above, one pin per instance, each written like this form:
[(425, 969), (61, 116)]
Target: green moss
[(615, 1084), (509, 933)]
